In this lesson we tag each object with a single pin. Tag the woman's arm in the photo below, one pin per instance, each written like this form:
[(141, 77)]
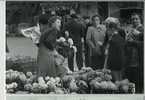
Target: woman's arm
[(140, 38)]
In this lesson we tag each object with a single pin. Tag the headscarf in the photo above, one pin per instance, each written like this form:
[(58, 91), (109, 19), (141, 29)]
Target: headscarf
[(112, 19)]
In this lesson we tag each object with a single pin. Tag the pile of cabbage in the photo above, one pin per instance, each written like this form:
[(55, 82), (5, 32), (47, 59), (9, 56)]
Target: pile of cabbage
[(85, 81), (30, 83), (88, 81)]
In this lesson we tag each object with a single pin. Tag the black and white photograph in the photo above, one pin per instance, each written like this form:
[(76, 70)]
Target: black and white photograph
[(74, 47)]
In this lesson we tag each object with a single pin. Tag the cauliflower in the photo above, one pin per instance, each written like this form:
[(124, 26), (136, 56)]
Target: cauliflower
[(47, 78), (73, 86), (52, 79), (43, 86), (22, 77), (41, 80), (29, 74), (11, 76), (28, 87), (57, 79), (13, 85), (51, 85), (29, 80), (36, 88)]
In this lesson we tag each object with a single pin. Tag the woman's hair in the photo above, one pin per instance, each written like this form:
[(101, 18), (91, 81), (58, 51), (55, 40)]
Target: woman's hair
[(94, 16), (43, 19), (112, 22), (53, 19), (112, 25), (140, 17), (133, 14)]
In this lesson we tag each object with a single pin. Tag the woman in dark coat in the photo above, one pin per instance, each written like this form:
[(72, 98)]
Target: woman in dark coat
[(76, 31), (115, 50), (134, 47), (46, 60)]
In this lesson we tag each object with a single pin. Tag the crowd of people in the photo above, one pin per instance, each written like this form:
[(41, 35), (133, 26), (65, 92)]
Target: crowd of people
[(105, 44)]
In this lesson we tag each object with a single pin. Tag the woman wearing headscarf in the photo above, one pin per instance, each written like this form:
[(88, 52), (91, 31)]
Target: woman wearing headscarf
[(114, 48), (95, 39), (134, 53), (47, 60)]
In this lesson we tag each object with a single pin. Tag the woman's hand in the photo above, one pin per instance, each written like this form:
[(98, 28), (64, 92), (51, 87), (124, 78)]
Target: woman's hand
[(135, 32), (100, 43)]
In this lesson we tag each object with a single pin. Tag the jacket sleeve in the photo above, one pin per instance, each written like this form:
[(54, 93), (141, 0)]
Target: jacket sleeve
[(49, 39), (83, 31), (122, 33)]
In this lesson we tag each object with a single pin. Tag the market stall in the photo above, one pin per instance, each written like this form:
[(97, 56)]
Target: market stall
[(20, 79)]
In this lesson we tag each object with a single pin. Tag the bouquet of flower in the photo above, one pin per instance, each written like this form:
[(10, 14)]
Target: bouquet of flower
[(64, 45)]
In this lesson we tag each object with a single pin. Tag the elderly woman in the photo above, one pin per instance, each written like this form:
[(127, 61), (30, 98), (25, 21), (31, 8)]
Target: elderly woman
[(115, 49), (95, 39), (135, 52), (47, 60)]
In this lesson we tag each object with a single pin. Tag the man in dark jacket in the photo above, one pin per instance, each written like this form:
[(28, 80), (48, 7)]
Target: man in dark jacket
[(86, 25), (76, 31)]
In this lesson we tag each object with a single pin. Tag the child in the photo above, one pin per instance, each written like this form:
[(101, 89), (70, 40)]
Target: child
[(67, 49)]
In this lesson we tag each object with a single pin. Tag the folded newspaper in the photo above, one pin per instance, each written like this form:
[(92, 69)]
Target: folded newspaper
[(33, 33)]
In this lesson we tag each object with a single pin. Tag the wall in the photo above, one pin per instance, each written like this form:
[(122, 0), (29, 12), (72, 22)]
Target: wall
[(89, 9)]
